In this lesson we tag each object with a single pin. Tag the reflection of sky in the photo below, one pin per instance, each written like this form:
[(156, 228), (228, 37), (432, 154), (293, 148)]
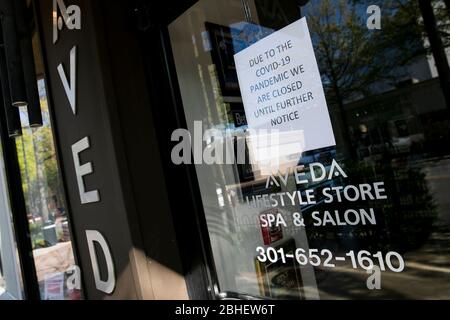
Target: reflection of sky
[(245, 34), (360, 7)]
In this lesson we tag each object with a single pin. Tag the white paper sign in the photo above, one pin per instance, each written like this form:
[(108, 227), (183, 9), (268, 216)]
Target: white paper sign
[(281, 86)]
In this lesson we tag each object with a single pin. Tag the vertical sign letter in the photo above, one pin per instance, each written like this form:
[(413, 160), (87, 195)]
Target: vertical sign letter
[(70, 88), (83, 170), (109, 285)]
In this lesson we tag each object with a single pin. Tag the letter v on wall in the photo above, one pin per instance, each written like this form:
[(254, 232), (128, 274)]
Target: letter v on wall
[(70, 88)]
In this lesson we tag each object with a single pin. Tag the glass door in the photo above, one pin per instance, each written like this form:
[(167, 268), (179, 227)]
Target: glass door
[(319, 135), (44, 222)]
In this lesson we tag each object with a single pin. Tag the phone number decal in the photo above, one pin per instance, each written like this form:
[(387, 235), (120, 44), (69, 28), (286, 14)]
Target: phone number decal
[(363, 259)]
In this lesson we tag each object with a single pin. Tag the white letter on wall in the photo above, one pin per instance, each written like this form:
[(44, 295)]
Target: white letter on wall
[(83, 170), (70, 88), (109, 285)]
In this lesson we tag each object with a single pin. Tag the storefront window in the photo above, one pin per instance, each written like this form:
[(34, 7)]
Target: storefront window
[(45, 202), (351, 199)]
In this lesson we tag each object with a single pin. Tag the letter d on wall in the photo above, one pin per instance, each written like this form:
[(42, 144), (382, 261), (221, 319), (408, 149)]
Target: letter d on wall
[(109, 284)]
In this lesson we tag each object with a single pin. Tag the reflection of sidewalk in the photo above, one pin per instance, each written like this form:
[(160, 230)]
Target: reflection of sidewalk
[(54, 259), (427, 267), (426, 276)]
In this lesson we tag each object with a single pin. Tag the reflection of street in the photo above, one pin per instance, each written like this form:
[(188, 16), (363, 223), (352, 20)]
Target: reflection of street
[(426, 276), (52, 263), (438, 180), (427, 272)]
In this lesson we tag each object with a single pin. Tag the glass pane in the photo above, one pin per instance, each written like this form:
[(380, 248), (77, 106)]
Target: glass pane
[(45, 202), (2, 282), (354, 208), (10, 273), (2, 279)]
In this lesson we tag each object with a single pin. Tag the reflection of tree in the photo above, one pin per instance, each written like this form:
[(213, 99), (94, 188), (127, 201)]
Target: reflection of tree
[(437, 44), (407, 218), (354, 60), (428, 20), (405, 221), (37, 160), (344, 49)]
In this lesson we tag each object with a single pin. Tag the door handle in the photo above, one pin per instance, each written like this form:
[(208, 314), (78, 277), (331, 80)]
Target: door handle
[(229, 295)]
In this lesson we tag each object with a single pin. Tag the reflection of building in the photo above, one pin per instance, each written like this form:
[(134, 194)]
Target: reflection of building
[(397, 119)]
